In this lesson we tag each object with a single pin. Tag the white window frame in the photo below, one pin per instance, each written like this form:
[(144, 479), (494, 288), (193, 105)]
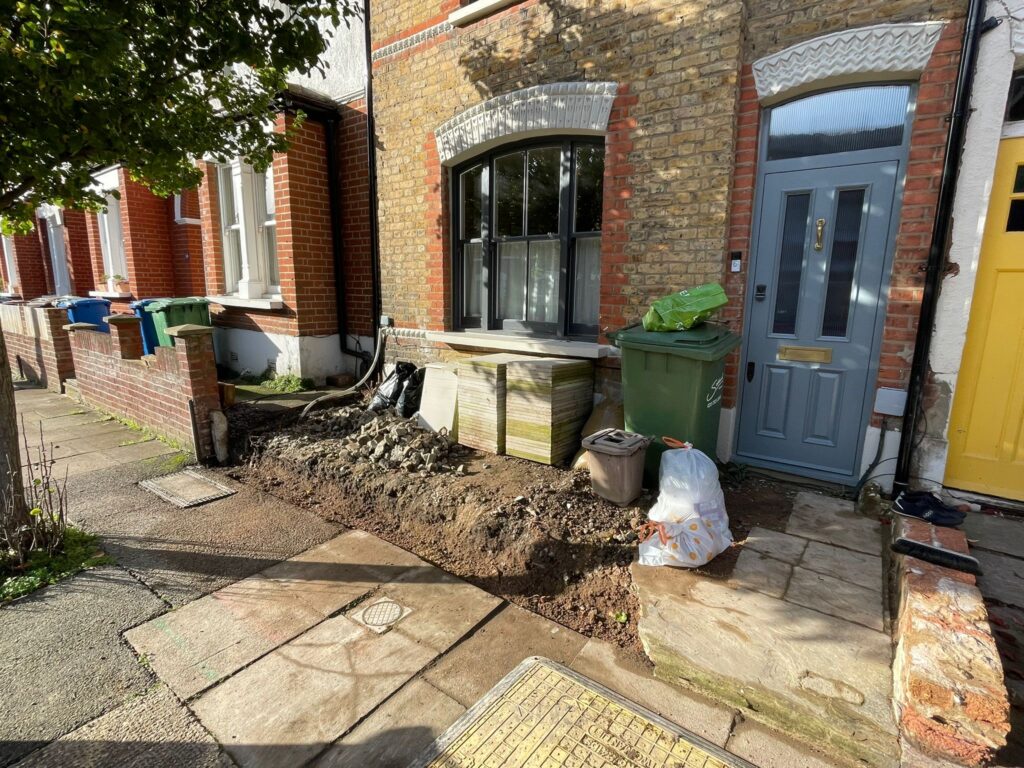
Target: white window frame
[(112, 240), (247, 274), (12, 265)]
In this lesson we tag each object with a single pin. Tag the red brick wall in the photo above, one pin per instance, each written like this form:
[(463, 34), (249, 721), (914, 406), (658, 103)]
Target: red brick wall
[(357, 248), (145, 221), (920, 195), (187, 246), (28, 255), (154, 391), (38, 347), (77, 249)]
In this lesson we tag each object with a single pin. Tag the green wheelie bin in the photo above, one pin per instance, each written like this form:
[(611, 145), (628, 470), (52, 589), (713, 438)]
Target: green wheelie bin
[(672, 386), (168, 313)]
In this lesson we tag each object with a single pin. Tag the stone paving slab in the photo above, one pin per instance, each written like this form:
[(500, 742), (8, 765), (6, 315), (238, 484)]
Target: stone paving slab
[(768, 749), (207, 640), (397, 731), (1002, 577), (153, 730), (62, 661), (292, 703), (761, 573), (823, 679), (495, 649), (999, 534), (838, 598), (833, 521), (781, 546), (846, 565)]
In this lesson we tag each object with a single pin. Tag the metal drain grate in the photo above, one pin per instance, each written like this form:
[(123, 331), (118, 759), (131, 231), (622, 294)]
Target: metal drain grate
[(381, 615), (187, 488)]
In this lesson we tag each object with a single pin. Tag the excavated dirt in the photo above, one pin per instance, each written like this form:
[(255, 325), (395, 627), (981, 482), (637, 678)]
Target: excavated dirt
[(533, 534)]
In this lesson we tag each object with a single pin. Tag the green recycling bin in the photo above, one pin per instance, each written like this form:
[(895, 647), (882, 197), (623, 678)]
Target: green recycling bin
[(672, 386), (167, 313)]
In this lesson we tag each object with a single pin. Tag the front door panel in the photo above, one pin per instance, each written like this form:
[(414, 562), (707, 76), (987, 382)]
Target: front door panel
[(816, 287)]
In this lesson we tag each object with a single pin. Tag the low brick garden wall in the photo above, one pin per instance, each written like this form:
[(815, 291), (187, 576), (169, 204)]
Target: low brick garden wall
[(38, 347), (172, 392), (950, 698)]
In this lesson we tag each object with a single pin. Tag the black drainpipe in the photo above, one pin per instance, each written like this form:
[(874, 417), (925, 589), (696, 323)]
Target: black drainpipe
[(371, 156), (973, 29)]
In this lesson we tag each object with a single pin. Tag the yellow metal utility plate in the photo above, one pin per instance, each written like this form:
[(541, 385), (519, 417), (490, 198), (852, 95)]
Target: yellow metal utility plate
[(543, 715)]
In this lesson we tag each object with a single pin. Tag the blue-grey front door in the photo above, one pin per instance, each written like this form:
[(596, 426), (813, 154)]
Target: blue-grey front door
[(818, 268)]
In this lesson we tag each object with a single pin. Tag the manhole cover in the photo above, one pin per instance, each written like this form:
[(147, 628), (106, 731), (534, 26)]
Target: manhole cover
[(187, 488), (381, 615), (543, 715)]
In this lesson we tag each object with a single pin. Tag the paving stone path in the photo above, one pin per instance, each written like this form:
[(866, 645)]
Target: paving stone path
[(241, 633)]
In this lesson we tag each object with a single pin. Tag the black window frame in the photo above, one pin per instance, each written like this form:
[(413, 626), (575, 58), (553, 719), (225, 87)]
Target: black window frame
[(566, 236)]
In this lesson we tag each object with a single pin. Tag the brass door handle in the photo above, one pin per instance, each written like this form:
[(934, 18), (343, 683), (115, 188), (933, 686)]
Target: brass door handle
[(819, 234)]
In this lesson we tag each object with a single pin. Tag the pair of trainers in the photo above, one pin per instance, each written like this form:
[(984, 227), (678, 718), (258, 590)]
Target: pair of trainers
[(926, 506)]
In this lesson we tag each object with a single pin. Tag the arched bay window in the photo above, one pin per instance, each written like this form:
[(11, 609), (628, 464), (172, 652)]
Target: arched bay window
[(528, 238)]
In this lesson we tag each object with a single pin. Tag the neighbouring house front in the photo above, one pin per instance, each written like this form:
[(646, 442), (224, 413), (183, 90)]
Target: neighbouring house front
[(547, 169)]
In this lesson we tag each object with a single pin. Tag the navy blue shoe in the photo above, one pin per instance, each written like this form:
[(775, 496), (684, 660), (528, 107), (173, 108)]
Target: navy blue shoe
[(929, 509)]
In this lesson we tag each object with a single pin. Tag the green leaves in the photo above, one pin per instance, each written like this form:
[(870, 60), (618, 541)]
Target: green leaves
[(151, 85)]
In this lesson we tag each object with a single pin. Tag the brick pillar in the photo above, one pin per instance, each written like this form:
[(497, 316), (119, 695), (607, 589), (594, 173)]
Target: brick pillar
[(76, 243), (126, 336), (193, 345), (28, 255)]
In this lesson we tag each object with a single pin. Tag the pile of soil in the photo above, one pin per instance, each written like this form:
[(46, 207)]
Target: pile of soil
[(533, 534)]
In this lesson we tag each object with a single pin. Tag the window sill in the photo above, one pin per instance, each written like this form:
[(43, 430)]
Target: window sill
[(507, 342), (235, 301), (467, 14), (111, 294)]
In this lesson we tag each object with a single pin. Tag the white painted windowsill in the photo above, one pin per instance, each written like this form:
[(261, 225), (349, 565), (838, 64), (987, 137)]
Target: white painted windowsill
[(560, 347), (467, 14), (236, 301), (111, 294)]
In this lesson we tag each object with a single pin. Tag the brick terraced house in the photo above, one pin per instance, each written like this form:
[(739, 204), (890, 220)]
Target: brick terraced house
[(548, 168)]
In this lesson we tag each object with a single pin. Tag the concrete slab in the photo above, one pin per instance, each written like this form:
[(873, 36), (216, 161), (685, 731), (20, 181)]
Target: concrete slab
[(819, 678), (397, 731), (846, 565), (833, 521), (768, 749), (443, 607), (494, 649), (781, 546), (628, 676), (1002, 577), (761, 573), (62, 661), (835, 597), (292, 703), (998, 534), (154, 729)]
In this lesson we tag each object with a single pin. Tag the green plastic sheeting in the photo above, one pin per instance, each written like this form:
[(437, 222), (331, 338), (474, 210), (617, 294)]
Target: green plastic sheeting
[(681, 311)]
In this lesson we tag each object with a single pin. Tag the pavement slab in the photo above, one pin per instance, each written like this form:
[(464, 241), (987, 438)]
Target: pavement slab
[(205, 641), (494, 649), (62, 660), (846, 565), (838, 598), (768, 749), (781, 546), (1002, 577), (153, 730), (833, 521), (761, 573), (288, 706), (397, 731), (998, 534)]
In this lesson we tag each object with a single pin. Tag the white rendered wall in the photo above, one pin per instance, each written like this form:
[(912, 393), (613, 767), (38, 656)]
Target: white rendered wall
[(997, 55), (314, 357), (344, 63)]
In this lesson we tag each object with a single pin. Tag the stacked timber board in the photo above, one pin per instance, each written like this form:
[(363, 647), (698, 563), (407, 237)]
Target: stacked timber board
[(481, 409), (547, 401)]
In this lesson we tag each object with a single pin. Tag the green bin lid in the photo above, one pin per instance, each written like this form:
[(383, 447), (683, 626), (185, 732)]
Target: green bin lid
[(708, 341), (159, 305)]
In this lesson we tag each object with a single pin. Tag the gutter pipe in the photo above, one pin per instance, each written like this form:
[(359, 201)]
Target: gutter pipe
[(973, 29), (371, 156)]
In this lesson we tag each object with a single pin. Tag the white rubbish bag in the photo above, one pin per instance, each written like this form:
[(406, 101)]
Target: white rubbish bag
[(688, 525)]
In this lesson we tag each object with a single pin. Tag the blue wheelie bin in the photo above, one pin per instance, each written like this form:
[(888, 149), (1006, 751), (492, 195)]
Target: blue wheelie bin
[(150, 341), (87, 311)]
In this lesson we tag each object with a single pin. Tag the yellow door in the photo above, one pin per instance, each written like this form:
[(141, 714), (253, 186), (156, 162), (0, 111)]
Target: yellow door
[(986, 430)]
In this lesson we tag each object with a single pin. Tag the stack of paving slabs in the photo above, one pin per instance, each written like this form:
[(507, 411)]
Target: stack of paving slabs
[(481, 413), (546, 403)]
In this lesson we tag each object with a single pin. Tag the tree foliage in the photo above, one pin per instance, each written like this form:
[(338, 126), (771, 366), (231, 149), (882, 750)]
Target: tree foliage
[(152, 85)]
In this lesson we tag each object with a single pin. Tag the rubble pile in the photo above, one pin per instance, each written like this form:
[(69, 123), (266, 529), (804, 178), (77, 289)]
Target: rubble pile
[(334, 438)]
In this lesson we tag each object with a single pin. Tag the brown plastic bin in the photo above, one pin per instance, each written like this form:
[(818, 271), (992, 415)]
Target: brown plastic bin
[(616, 464)]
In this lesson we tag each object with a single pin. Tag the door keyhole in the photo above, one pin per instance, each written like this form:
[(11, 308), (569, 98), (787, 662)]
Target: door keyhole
[(760, 291)]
